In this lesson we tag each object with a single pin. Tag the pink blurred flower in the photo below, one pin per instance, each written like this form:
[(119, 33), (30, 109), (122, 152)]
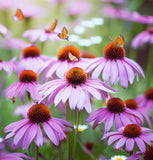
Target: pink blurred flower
[(146, 99), (114, 1), (8, 66), (110, 11), (4, 31), (28, 129), (128, 136), (27, 83), (78, 7), (115, 111), (15, 156), (143, 37), (13, 43), (67, 58), (74, 88), (30, 58), (23, 110), (42, 35), (115, 66)]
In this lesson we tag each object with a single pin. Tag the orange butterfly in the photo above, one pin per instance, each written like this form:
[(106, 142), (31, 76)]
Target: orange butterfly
[(120, 41), (64, 34), (52, 27), (18, 15), (72, 57)]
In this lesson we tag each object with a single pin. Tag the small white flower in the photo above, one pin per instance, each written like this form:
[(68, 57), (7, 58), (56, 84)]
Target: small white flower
[(118, 157), (81, 128)]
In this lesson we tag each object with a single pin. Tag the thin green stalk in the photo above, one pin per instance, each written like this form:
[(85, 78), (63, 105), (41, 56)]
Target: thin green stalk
[(37, 152), (68, 139), (91, 156), (149, 68), (76, 133), (60, 151), (29, 97)]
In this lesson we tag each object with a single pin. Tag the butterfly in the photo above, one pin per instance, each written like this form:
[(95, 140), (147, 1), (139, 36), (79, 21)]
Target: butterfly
[(64, 34), (72, 58), (119, 41), (18, 15), (52, 27)]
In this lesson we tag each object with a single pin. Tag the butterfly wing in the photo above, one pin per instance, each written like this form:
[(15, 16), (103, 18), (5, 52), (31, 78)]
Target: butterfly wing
[(53, 26), (72, 57), (120, 41), (18, 15), (64, 34)]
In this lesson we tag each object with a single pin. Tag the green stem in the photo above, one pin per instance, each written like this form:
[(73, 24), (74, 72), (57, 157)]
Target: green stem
[(91, 156), (60, 151), (29, 97), (75, 136), (68, 139), (37, 152), (149, 68)]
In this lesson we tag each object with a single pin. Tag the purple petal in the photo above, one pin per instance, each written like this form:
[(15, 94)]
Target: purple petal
[(129, 144), (140, 144)]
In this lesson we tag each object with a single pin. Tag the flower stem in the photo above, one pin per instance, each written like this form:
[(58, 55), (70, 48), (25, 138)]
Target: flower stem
[(37, 152), (76, 133), (149, 68), (68, 139), (59, 151), (29, 97)]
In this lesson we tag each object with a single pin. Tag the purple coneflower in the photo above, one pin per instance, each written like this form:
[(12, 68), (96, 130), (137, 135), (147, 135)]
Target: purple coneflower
[(141, 110), (28, 129), (143, 37), (27, 83), (15, 156), (147, 155), (115, 110), (128, 135), (42, 34), (8, 66), (146, 100), (32, 59), (67, 58), (114, 65), (76, 89)]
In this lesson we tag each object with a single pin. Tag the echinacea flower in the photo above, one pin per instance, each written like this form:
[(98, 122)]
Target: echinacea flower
[(15, 156), (128, 136), (147, 155), (141, 110), (118, 157), (87, 147), (114, 65), (29, 129), (67, 58), (115, 110), (27, 83), (143, 37), (132, 104), (146, 99), (8, 66), (31, 59), (42, 34), (75, 89)]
